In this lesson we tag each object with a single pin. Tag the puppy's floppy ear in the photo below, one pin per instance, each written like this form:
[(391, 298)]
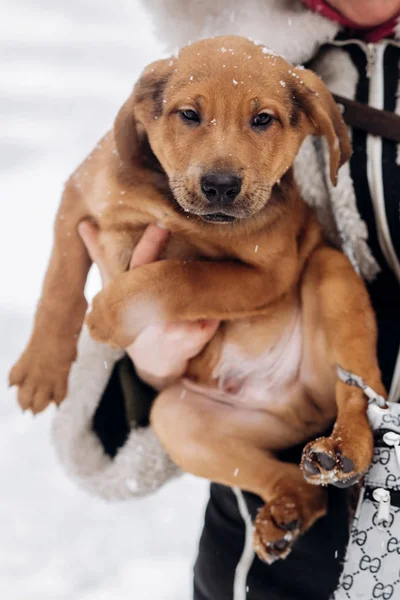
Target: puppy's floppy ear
[(143, 105), (318, 104), (125, 132)]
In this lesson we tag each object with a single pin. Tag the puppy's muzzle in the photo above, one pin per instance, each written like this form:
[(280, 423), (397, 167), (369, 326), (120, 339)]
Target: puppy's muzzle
[(220, 190)]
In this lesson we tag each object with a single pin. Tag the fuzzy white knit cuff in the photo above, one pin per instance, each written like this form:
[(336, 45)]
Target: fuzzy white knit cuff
[(140, 466)]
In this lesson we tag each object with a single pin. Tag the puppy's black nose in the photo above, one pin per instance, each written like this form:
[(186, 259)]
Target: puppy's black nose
[(221, 188)]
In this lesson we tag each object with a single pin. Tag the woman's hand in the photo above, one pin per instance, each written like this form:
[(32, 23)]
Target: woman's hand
[(161, 352)]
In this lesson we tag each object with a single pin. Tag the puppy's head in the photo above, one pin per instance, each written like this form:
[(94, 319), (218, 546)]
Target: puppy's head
[(226, 118)]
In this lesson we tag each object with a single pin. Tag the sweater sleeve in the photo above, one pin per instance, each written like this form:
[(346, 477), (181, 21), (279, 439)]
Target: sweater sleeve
[(101, 431)]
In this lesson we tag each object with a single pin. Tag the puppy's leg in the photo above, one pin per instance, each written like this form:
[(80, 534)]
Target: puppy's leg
[(228, 446), (170, 290), (347, 318), (41, 372)]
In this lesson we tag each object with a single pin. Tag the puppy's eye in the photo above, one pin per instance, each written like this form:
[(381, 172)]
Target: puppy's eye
[(190, 116), (262, 121)]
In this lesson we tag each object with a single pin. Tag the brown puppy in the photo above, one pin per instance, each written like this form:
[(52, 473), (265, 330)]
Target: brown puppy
[(205, 145)]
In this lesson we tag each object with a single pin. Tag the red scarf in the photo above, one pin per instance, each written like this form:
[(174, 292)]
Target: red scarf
[(373, 34)]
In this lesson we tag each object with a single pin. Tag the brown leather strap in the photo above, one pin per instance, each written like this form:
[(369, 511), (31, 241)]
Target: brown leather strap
[(376, 122)]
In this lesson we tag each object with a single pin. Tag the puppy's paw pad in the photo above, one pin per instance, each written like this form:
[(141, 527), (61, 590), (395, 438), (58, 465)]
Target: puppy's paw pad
[(347, 465), (323, 463)]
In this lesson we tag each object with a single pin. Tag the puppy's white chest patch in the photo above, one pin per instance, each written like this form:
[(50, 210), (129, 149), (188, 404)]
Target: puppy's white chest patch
[(258, 379)]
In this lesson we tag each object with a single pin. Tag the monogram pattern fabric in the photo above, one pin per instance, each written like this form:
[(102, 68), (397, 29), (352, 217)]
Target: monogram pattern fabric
[(384, 471), (372, 563)]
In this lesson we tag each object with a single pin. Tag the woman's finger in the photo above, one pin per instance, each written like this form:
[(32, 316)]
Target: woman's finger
[(191, 333), (149, 247), (161, 351)]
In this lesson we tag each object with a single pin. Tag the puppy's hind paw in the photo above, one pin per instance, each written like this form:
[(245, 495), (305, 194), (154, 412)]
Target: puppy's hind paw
[(324, 462), (276, 528)]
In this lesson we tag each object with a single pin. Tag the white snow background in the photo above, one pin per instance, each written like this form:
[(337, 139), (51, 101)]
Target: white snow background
[(66, 66)]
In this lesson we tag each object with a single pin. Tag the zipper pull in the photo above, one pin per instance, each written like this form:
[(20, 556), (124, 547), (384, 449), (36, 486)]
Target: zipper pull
[(382, 496), (371, 59), (391, 438)]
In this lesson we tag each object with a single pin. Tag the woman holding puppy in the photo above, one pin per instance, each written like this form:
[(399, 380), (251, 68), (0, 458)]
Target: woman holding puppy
[(354, 45)]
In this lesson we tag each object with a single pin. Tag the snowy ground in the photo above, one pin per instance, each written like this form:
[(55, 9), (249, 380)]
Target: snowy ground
[(66, 67)]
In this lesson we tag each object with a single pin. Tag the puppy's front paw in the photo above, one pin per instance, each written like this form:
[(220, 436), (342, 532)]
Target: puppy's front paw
[(117, 321), (334, 461), (100, 322), (41, 380), (107, 324)]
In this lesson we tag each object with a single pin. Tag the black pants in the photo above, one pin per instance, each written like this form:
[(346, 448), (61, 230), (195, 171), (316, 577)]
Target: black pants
[(310, 572)]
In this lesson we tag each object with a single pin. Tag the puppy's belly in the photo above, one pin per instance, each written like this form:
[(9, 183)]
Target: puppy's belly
[(256, 380), (289, 378)]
